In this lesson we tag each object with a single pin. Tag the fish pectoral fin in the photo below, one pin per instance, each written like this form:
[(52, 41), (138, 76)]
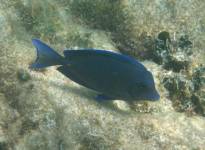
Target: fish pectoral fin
[(102, 97)]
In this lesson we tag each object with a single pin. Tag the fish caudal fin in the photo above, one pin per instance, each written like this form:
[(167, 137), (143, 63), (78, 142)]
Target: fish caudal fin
[(46, 56)]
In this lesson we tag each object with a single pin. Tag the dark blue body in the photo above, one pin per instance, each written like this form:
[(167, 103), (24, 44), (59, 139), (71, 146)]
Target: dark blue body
[(113, 75)]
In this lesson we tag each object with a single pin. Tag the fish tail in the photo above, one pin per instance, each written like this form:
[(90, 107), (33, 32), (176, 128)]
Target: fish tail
[(46, 56)]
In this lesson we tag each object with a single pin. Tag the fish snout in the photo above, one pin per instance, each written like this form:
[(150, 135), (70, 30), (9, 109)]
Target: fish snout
[(153, 96)]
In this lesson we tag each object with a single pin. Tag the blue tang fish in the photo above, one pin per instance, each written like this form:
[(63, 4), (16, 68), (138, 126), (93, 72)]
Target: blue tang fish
[(113, 75)]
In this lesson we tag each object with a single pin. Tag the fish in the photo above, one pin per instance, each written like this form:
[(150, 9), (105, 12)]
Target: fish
[(113, 75)]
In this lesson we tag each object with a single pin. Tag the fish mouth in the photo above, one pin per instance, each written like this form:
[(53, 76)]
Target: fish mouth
[(149, 96), (153, 96)]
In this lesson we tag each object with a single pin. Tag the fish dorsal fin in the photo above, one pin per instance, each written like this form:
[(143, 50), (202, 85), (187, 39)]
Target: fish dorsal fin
[(90, 52), (74, 54), (78, 53)]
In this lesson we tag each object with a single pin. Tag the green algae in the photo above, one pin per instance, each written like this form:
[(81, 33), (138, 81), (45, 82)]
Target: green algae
[(4, 146), (23, 75), (110, 16), (184, 92), (39, 18)]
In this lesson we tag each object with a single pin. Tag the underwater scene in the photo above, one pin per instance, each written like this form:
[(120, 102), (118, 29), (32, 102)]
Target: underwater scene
[(102, 75)]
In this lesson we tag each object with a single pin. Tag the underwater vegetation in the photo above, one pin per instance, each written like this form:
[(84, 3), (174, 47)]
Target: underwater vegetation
[(112, 16), (37, 19), (184, 93), (172, 54), (184, 82)]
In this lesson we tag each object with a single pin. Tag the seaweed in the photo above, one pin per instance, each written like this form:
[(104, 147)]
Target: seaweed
[(23, 75), (110, 16), (4, 146), (185, 91), (38, 19)]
